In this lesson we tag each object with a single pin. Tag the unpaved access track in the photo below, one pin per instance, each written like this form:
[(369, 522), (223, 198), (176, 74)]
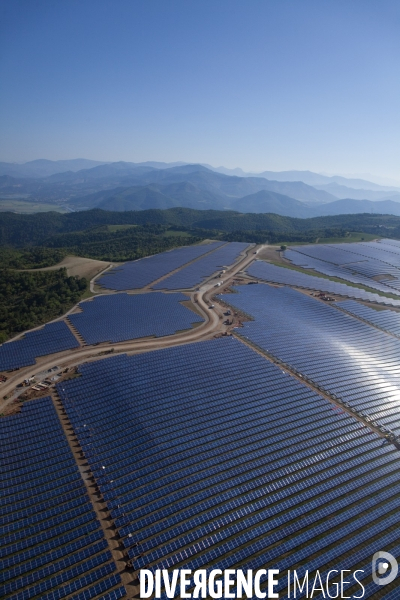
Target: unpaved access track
[(212, 326)]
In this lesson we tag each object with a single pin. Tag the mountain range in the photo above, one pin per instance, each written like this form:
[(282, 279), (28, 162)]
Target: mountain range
[(82, 184)]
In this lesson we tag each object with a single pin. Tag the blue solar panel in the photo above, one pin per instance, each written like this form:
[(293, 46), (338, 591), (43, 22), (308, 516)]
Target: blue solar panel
[(119, 317), (376, 264), (232, 457), (139, 273), (54, 337), (194, 273), (387, 320), (270, 272), (351, 348), (51, 541)]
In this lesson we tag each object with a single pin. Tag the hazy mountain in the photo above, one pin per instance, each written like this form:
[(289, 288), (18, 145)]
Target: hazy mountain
[(152, 196), (191, 196), (195, 185), (233, 186), (342, 191), (44, 168), (349, 207), (361, 184), (238, 172), (113, 171), (271, 202), (137, 199), (264, 201), (167, 196), (316, 179), (123, 186)]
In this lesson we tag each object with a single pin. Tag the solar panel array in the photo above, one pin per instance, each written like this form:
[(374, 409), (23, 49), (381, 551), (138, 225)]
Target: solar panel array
[(272, 273), (388, 320), (194, 273), (54, 337), (119, 317), (139, 273), (51, 544), (358, 263), (347, 357), (219, 459)]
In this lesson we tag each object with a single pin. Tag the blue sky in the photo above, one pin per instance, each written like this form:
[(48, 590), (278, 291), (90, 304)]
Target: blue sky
[(260, 84)]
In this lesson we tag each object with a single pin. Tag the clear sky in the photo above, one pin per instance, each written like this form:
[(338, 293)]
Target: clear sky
[(260, 84)]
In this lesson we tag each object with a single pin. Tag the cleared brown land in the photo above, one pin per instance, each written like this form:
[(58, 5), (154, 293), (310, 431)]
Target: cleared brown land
[(271, 253), (82, 267)]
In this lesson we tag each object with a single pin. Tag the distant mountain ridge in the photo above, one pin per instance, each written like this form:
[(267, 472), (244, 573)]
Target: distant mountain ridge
[(125, 186), (44, 167)]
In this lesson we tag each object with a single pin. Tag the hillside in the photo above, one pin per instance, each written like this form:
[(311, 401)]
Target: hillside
[(40, 229), (271, 202)]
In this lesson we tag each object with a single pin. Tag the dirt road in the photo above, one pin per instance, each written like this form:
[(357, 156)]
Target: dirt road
[(213, 325)]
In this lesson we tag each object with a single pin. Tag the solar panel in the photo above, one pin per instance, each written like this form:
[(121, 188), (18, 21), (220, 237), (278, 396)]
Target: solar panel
[(119, 317), (272, 273), (376, 264), (51, 541), (230, 465), (54, 337), (139, 273), (387, 320), (193, 274)]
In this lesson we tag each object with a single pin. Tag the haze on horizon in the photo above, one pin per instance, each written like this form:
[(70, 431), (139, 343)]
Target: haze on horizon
[(276, 85)]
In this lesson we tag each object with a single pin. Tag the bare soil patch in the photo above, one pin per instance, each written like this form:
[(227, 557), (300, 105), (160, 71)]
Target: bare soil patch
[(271, 253), (79, 266), (381, 277)]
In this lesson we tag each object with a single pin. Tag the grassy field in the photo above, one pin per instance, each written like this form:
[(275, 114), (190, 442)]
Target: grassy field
[(21, 206)]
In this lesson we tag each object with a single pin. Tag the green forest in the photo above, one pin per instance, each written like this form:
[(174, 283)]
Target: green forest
[(29, 299), (40, 239)]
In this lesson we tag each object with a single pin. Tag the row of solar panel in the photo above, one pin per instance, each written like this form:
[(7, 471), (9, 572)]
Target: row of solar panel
[(331, 325), (269, 272), (192, 499), (387, 320), (120, 317), (54, 337), (51, 543), (297, 533), (139, 273), (261, 307), (255, 405), (352, 560), (346, 273), (359, 263), (193, 274)]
